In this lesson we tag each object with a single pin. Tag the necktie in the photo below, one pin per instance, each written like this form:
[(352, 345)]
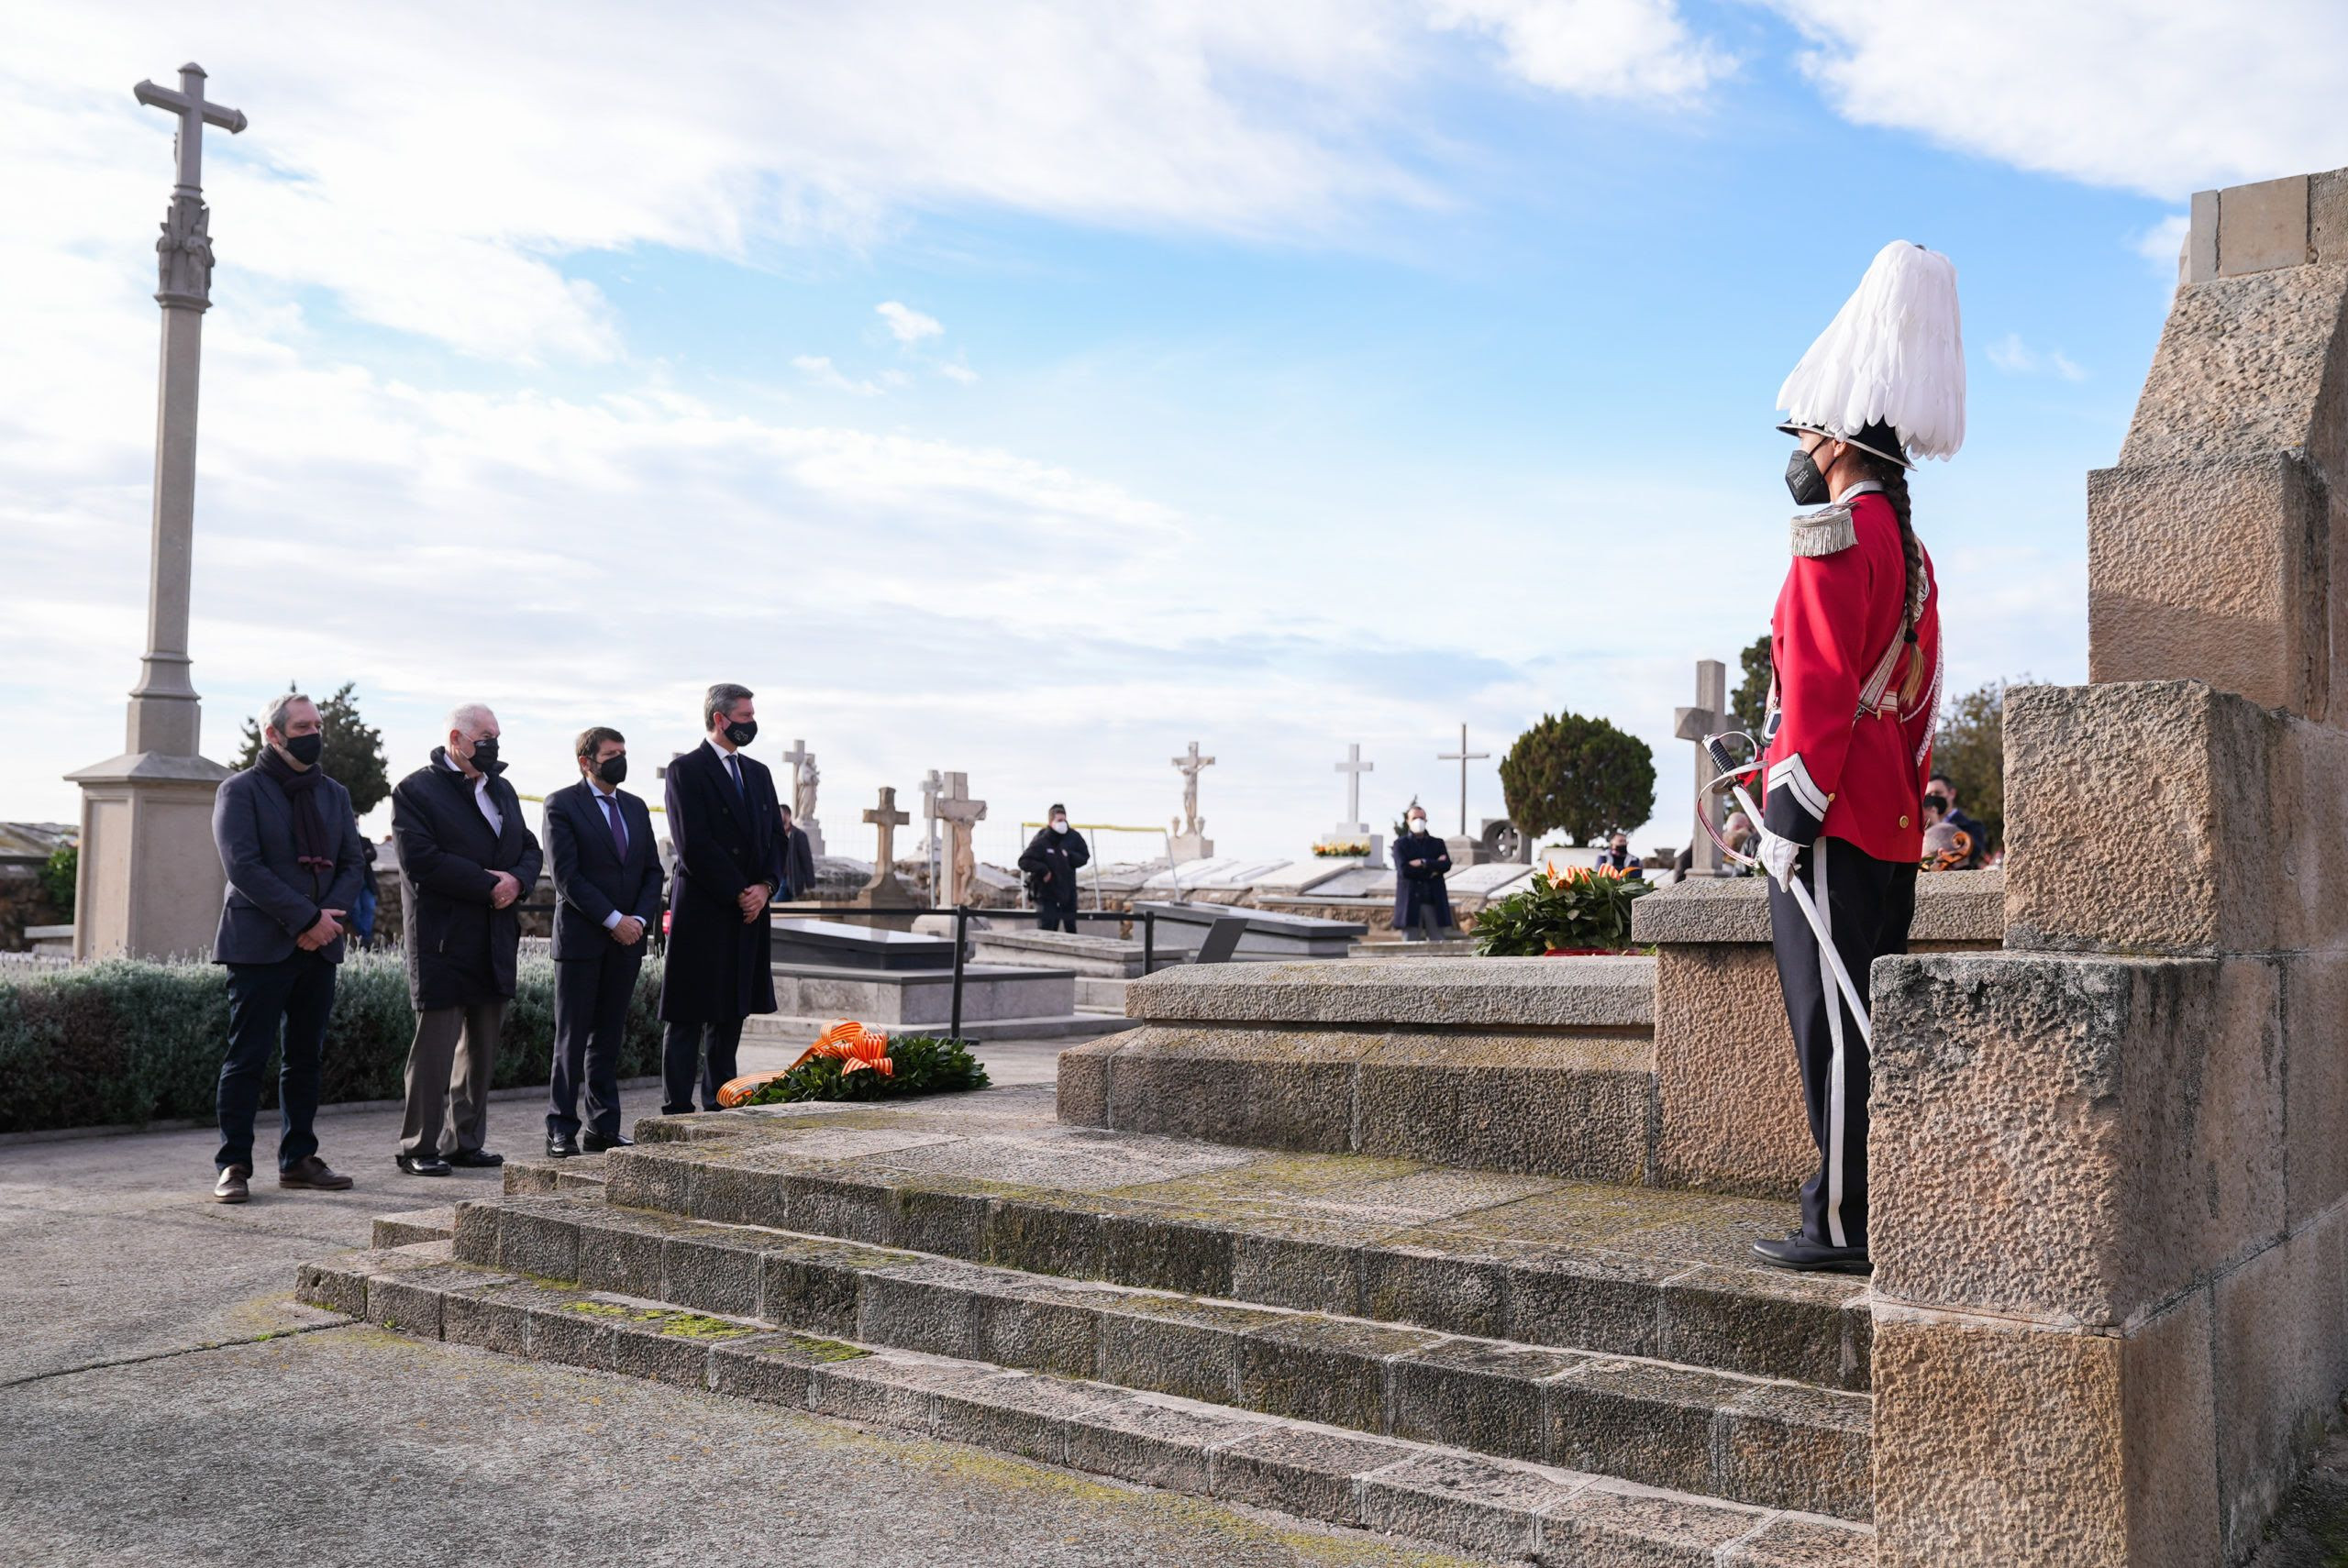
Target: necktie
[(733, 768), (619, 834)]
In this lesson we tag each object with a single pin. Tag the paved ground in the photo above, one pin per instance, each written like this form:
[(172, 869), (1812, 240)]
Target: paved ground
[(164, 1399)]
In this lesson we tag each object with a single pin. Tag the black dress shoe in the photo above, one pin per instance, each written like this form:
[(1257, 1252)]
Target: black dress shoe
[(596, 1143), (423, 1164), (476, 1159), (1799, 1253), (561, 1146)]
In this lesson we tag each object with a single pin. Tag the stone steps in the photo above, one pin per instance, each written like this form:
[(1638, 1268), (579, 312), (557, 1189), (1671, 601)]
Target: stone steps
[(1765, 1444), (1539, 1065), (1575, 1265), (1489, 1506)]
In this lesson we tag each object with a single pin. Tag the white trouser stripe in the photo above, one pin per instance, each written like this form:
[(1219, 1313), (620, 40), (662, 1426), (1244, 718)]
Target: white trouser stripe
[(1834, 1106)]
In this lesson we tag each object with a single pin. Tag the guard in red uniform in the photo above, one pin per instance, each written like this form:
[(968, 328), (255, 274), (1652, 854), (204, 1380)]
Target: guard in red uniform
[(1856, 644)]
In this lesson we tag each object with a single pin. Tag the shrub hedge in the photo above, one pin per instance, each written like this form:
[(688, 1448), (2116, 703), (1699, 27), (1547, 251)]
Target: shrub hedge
[(124, 1040)]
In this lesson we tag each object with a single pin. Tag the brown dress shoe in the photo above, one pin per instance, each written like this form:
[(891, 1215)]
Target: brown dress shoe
[(231, 1188), (313, 1172)]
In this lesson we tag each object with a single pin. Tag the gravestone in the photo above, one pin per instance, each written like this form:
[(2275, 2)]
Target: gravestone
[(884, 890), (1708, 717), (1463, 756), (151, 881), (1189, 841), (1269, 935), (1351, 839), (931, 788), (842, 945), (961, 813)]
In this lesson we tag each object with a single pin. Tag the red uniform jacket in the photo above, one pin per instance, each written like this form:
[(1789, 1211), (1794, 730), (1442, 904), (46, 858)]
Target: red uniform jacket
[(1834, 771)]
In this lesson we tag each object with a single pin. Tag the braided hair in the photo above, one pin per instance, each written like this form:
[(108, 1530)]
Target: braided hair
[(1894, 479)]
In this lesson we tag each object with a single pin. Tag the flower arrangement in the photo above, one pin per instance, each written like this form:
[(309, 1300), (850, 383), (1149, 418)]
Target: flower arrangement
[(1342, 849), (851, 1061), (1579, 908)]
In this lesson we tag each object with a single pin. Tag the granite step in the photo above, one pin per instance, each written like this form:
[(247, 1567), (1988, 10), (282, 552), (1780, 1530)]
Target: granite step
[(1492, 1508), (1628, 1271), (416, 1225), (1763, 1443)]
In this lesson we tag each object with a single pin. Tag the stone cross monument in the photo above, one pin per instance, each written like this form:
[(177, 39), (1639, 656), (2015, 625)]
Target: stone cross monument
[(1189, 840), (805, 777), (151, 881), (961, 813), (1463, 756), (1708, 717), (883, 891), (1353, 767), (931, 788)]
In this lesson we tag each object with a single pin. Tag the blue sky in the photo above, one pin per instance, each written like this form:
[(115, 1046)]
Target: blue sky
[(1028, 391)]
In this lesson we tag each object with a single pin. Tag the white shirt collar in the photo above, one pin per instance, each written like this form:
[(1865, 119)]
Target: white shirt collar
[(1865, 487)]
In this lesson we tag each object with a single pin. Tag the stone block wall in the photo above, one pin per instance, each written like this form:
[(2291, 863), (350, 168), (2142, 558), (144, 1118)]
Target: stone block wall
[(2110, 1164)]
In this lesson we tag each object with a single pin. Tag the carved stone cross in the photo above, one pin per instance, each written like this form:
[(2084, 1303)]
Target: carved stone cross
[(960, 814), (803, 782), (1188, 767), (887, 819), (1463, 756), (1354, 768), (183, 255), (1708, 717)]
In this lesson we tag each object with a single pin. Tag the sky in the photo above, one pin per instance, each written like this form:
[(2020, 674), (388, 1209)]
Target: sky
[(1029, 390)]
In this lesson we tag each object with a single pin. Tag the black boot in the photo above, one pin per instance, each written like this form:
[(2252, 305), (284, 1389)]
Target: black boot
[(1798, 1251)]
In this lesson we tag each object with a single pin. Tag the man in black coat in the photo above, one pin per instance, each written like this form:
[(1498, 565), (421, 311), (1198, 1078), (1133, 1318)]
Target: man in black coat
[(289, 846), (798, 859), (1051, 861), (607, 895), (1422, 902), (726, 825), (466, 858)]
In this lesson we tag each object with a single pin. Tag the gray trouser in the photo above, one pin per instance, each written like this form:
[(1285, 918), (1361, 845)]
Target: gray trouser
[(448, 1068)]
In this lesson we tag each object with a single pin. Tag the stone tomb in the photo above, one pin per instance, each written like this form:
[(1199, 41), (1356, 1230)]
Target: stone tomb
[(1270, 935), (903, 981)]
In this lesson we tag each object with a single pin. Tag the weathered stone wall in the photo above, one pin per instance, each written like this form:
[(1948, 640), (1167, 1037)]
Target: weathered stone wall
[(2110, 1164)]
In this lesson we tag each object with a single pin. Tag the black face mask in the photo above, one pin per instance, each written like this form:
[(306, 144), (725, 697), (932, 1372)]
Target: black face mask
[(1804, 483), (306, 749), (743, 733), (613, 770), (484, 758)]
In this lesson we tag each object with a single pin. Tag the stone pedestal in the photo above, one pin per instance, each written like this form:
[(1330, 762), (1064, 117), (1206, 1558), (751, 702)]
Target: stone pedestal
[(1184, 846), (151, 879)]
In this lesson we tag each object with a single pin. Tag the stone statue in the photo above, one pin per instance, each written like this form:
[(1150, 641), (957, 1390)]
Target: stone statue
[(803, 789), (183, 256)]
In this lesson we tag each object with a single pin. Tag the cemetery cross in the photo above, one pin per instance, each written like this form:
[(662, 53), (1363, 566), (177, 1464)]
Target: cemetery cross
[(1188, 767), (1708, 717), (1354, 768), (1463, 756)]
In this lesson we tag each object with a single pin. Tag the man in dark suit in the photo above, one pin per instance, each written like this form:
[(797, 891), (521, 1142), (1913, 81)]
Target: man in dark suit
[(726, 825), (607, 895), (289, 846), (466, 858), (798, 858)]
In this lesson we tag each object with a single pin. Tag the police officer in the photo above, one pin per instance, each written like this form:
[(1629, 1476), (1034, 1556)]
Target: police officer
[(1857, 648), (1053, 858)]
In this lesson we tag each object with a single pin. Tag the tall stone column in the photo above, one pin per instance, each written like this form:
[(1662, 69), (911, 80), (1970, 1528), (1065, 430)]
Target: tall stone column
[(150, 881)]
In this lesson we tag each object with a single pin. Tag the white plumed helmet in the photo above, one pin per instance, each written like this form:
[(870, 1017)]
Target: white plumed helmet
[(1888, 374)]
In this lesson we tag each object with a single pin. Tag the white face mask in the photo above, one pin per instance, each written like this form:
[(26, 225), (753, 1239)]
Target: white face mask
[(1059, 826), (1418, 824)]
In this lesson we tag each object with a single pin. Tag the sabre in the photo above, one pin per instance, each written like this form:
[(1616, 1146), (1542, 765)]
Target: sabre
[(1729, 771)]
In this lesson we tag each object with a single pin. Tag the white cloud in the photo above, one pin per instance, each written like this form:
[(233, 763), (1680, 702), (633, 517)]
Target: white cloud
[(2163, 245), (955, 370), (1606, 49), (819, 369), (2163, 96), (907, 325), (2015, 357)]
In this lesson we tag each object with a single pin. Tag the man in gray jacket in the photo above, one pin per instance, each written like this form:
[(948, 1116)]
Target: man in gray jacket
[(290, 844)]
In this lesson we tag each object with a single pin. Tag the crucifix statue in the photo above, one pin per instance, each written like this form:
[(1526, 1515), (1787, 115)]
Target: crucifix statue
[(1188, 767), (1463, 756), (1708, 717), (961, 814), (887, 819), (147, 870), (803, 779), (1353, 767)]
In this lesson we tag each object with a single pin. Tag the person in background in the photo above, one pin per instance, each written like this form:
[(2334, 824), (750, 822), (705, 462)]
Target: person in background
[(363, 913), (607, 896), (728, 827), (290, 844), (1738, 834), (1938, 786), (466, 858), (798, 859), (1052, 859), (1422, 902), (1617, 856)]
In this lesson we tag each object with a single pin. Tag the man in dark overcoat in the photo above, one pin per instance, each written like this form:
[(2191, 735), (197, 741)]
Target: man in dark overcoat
[(726, 825), (467, 857), (798, 859), (1422, 902), (290, 849), (1052, 859), (607, 897)]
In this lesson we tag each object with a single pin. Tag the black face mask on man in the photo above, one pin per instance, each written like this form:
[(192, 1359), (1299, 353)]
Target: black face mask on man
[(485, 757), (1804, 483), (743, 733), (306, 749), (613, 770)]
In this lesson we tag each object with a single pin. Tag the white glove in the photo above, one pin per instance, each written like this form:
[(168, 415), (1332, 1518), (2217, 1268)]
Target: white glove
[(1776, 856)]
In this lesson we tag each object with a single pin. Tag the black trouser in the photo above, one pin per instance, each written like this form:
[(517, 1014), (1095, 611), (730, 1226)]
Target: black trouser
[(296, 992), (590, 1002), (1865, 905), (687, 1047), (1056, 917)]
